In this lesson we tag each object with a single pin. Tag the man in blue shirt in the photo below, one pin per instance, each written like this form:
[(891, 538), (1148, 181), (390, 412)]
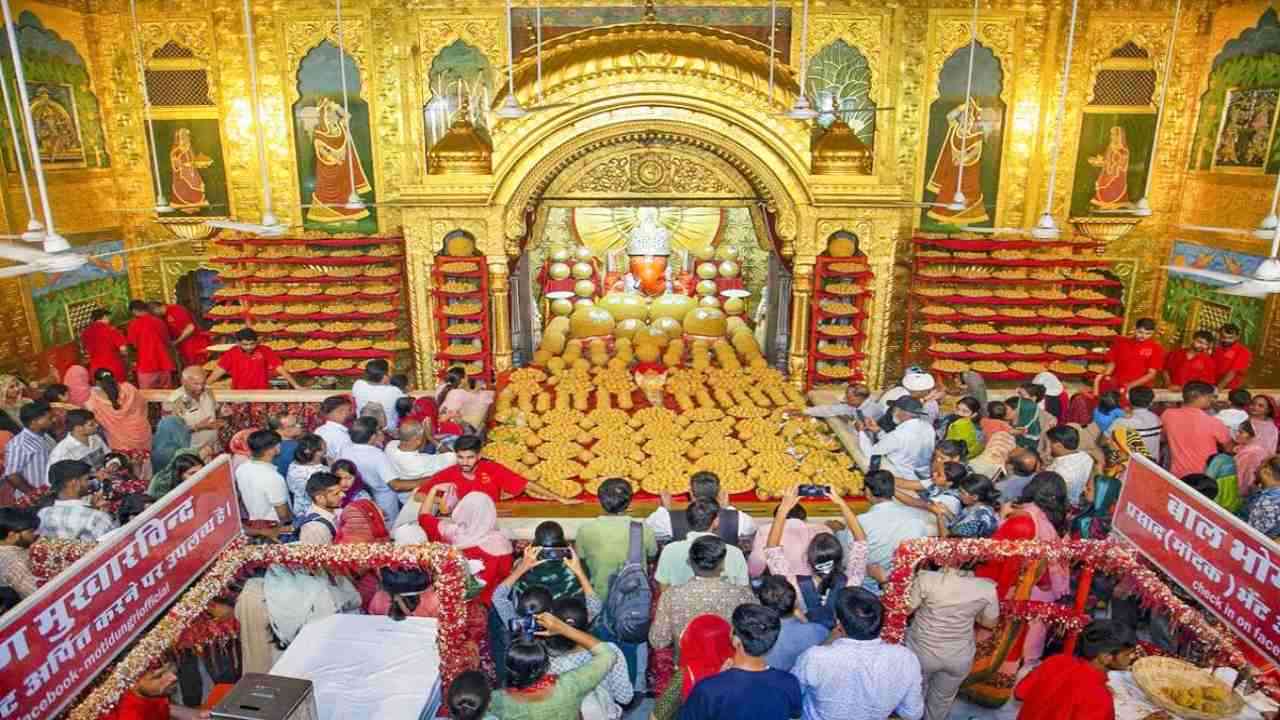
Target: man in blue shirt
[(289, 429), (748, 689), (797, 634)]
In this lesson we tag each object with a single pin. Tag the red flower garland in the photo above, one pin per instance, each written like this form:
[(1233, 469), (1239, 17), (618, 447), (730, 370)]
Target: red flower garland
[(1104, 556), (446, 564), (50, 556)]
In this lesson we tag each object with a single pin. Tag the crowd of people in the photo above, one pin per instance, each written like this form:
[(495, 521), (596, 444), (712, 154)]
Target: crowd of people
[(696, 606)]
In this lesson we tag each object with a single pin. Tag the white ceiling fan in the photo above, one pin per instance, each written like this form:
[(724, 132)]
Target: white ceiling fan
[(1264, 281), (269, 226)]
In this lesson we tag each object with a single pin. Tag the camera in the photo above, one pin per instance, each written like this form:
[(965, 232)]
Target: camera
[(554, 553), (809, 490), (524, 625)]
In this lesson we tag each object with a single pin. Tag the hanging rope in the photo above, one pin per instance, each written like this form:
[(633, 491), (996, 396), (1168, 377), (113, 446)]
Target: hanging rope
[(33, 225), (1046, 224), (268, 218), (773, 33), (353, 201), (52, 241), (162, 204), (959, 200), (1164, 95)]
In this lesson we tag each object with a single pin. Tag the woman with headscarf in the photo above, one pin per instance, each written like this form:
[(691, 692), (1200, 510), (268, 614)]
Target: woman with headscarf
[(184, 463), (239, 449), (121, 411), (1040, 515), (172, 435), (705, 645), (77, 380), (360, 520), (472, 528)]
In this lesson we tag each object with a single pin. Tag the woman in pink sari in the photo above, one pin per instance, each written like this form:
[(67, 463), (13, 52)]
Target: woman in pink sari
[(76, 378), (472, 527), (122, 412), (1262, 414), (1040, 515)]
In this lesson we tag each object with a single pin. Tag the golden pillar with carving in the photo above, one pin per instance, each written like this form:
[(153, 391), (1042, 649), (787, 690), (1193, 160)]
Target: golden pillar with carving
[(418, 262), (801, 298), (500, 314)]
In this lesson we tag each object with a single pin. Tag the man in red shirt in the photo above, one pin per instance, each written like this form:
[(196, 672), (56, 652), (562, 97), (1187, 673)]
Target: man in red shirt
[(1231, 357), (1132, 362), (1193, 364), (150, 338), (472, 474), (250, 364), (188, 337), (104, 345), (1074, 687)]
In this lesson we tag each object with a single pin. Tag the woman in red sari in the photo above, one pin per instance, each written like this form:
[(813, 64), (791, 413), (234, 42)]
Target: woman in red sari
[(1040, 515), (359, 521), (1111, 189), (187, 189), (339, 172)]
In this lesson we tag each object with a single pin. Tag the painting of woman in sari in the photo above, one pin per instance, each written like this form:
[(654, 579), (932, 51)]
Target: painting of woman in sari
[(964, 142), (957, 169), (1111, 189), (333, 144), (186, 191), (339, 172)]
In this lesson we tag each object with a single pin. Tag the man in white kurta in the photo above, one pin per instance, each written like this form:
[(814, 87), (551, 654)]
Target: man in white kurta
[(907, 451)]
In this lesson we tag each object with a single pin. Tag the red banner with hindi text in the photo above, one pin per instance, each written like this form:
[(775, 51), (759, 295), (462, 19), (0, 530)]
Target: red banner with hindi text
[(59, 639), (1232, 569)]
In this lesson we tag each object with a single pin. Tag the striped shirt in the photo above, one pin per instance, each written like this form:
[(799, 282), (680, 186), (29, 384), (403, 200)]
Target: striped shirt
[(27, 454), (1147, 425), (75, 520)]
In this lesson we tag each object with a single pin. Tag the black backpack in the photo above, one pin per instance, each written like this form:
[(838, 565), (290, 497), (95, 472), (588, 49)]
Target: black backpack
[(728, 529), (626, 607)]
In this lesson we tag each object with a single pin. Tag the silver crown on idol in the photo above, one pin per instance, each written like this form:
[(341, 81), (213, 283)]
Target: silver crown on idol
[(649, 237)]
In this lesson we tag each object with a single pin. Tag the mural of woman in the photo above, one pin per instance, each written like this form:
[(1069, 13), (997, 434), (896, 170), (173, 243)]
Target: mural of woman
[(1111, 190), (337, 167), (962, 148), (187, 189)]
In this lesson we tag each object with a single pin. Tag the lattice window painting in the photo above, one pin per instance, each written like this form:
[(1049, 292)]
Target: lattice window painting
[(178, 88), (78, 311), (1206, 315)]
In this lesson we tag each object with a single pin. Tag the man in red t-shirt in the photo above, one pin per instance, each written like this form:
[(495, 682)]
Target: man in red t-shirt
[(190, 340), (1193, 364), (250, 364), (1231, 357), (1074, 687), (150, 338), (472, 474), (1132, 362), (104, 345)]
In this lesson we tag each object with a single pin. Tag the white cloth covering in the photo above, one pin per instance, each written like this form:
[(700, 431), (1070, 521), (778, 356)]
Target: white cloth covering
[(368, 666)]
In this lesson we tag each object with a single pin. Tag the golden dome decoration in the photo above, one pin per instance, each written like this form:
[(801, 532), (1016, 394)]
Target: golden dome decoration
[(462, 150), (721, 56), (839, 151)]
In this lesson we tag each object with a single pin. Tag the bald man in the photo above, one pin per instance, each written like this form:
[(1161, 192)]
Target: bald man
[(410, 457), (194, 403)]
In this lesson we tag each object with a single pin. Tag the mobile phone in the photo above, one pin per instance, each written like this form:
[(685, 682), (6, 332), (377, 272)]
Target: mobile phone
[(554, 553), (810, 490), (524, 625)]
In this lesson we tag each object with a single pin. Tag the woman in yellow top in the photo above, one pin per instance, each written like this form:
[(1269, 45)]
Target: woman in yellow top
[(964, 426)]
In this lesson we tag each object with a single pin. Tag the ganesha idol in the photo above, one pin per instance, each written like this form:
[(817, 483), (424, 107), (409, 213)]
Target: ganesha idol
[(648, 249)]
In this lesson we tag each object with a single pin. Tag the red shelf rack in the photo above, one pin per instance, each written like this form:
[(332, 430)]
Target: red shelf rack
[(925, 274), (825, 274), (442, 297)]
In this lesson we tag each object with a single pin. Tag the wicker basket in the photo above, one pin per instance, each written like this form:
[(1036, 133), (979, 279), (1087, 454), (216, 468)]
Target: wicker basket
[(1154, 674)]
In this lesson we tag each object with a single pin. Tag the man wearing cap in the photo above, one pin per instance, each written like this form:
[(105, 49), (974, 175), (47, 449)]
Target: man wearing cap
[(907, 450), (916, 384)]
